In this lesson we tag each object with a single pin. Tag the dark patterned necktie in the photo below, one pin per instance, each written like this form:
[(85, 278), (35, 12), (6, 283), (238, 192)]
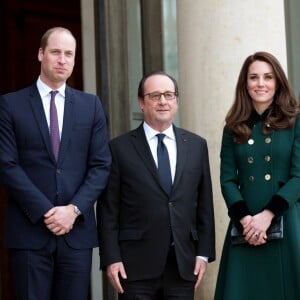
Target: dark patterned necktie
[(163, 162), (54, 128)]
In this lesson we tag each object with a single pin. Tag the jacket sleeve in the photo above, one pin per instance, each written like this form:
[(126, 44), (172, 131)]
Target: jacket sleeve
[(98, 163), (237, 207), (290, 191), (108, 207), (32, 201)]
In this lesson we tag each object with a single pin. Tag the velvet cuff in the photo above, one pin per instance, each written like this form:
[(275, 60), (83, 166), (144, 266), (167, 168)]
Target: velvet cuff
[(238, 210), (277, 205)]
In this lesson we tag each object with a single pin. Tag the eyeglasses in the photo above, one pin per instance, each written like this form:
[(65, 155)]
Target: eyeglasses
[(156, 96)]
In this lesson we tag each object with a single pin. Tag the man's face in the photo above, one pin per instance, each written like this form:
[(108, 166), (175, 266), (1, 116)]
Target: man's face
[(58, 58), (158, 114)]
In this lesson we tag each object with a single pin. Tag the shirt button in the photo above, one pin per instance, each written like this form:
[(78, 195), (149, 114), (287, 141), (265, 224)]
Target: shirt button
[(250, 160), (251, 178), (267, 177), (250, 141)]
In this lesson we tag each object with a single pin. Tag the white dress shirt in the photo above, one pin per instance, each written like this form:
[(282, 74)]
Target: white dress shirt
[(169, 141), (44, 91)]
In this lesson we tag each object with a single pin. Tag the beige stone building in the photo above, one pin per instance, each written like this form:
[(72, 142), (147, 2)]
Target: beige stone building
[(203, 44)]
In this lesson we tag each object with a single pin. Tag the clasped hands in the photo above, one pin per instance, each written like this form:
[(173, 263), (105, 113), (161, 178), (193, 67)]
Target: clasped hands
[(256, 226), (60, 219)]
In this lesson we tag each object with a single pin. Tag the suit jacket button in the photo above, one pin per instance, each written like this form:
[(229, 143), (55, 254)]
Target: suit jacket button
[(251, 178), (267, 158)]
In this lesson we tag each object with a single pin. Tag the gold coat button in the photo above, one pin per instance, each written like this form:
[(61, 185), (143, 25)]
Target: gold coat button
[(250, 160), (268, 140), (250, 141), (251, 178), (267, 177), (267, 158)]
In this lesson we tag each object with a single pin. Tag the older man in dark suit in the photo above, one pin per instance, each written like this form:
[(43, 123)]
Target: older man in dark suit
[(54, 162), (156, 220)]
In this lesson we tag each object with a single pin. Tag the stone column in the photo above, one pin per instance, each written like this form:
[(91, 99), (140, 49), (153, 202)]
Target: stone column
[(214, 38), (89, 80)]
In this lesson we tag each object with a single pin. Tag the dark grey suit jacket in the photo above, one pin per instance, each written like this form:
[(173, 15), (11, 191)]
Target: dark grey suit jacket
[(136, 217)]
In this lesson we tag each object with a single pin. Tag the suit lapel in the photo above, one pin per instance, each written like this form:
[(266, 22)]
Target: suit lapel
[(67, 123), (143, 150), (182, 154), (39, 114)]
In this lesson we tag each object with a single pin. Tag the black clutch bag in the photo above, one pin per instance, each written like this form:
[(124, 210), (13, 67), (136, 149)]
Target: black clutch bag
[(274, 232)]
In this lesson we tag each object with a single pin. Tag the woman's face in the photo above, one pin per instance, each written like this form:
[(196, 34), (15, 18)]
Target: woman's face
[(261, 85)]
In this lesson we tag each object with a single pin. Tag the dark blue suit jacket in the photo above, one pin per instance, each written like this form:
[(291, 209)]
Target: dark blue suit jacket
[(36, 182)]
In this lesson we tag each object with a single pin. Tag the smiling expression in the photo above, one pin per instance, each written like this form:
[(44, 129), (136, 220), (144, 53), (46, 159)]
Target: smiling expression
[(261, 85), (158, 114)]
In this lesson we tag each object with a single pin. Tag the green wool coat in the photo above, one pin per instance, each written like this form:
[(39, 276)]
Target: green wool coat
[(254, 172)]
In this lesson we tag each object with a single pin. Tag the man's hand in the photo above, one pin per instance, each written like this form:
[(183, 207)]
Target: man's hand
[(113, 272), (60, 219), (199, 271)]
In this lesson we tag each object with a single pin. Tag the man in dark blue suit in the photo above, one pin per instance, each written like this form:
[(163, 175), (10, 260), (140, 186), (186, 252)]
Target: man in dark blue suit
[(156, 219), (52, 185)]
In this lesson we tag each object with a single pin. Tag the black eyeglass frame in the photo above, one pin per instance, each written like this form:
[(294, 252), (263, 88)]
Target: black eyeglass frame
[(158, 94)]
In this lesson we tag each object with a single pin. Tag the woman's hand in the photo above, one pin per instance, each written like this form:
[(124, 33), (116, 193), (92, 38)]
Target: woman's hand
[(255, 231)]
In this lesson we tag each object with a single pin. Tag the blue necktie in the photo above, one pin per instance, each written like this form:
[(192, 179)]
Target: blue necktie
[(54, 128), (163, 162)]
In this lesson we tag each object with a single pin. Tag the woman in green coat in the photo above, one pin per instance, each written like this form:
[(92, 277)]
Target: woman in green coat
[(260, 181)]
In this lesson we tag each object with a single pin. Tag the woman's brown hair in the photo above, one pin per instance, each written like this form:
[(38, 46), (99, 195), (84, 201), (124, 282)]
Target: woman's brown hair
[(281, 113)]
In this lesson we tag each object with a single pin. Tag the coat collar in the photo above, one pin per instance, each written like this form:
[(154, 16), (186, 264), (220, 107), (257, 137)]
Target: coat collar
[(255, 117), (67, 123), (39, 114), (182, 142)]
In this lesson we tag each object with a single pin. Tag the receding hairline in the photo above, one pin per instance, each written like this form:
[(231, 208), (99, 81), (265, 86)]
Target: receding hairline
[(49, 32), (154, 73)]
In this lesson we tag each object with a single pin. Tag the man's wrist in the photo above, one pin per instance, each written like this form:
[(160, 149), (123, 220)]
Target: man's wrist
[(203, 258), (76, 210)]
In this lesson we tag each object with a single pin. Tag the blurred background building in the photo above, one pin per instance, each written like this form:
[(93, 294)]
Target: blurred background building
[(201, 43)]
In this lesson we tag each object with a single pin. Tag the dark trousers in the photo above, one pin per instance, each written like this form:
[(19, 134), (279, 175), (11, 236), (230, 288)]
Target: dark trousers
[(169, 286), (56, 272)]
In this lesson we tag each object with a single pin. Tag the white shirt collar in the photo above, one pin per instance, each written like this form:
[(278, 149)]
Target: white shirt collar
[(150, 132), (45, 89)]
